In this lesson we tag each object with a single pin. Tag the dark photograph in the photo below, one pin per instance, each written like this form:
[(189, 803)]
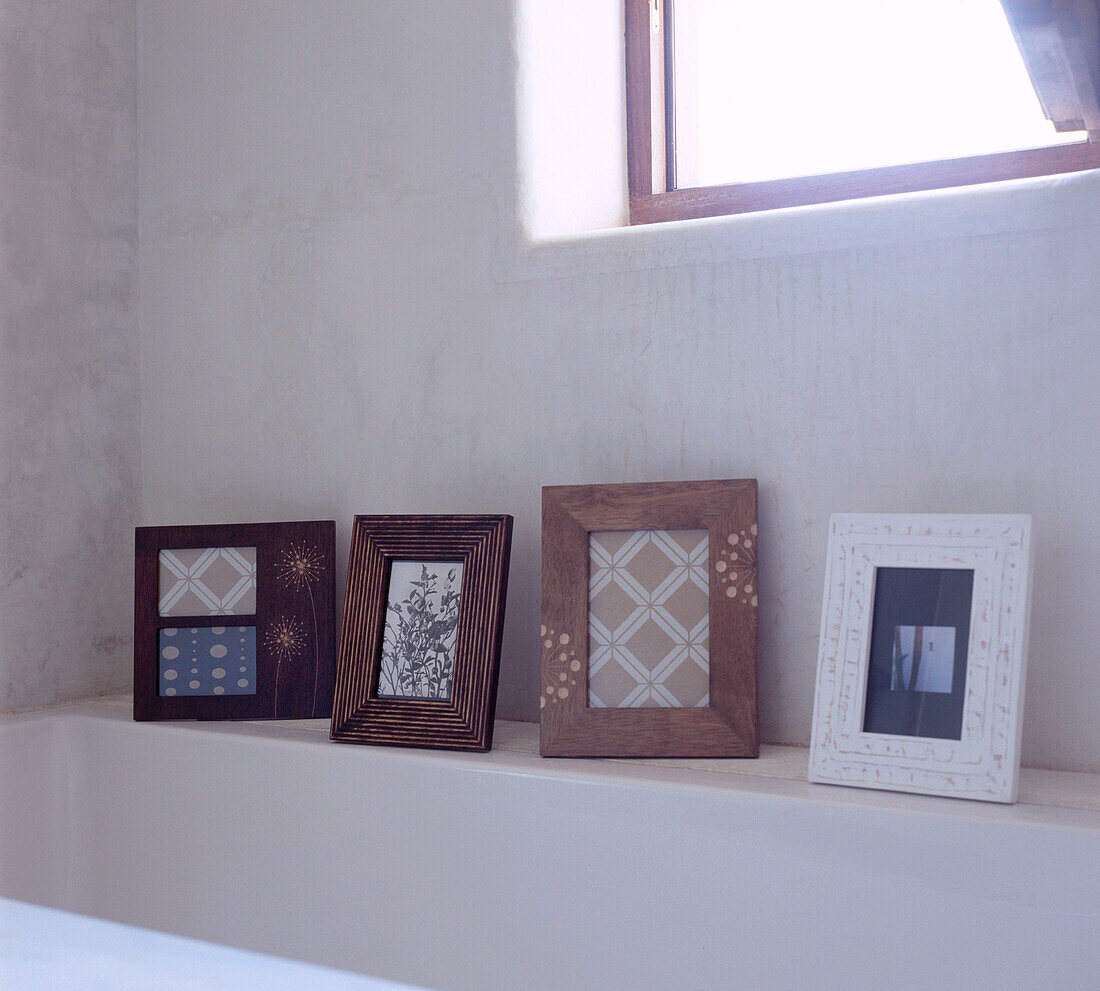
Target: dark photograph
[(916, 677)]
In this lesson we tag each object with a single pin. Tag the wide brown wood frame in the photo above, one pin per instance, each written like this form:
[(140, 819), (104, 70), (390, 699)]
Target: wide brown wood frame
[(295, 593), (465, 720), (651, 150), (726, 509)]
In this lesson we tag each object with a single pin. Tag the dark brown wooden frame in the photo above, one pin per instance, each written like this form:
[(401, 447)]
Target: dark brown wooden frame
[(287, 685), (650, 149), (465, 721), (726, 509)]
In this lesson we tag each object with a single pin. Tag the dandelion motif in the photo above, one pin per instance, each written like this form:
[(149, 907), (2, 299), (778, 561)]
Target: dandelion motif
[(286, 638), (300, 566)]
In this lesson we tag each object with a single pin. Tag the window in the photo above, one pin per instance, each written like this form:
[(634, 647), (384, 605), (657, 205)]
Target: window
[(736, 105)]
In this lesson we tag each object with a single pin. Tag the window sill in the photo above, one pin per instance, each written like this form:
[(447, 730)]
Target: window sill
[(1020, 206)]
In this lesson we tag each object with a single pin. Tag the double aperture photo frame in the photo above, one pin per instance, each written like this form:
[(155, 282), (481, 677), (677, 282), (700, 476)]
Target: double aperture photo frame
[(234, 621), (423, 619), (923, 654), (649, 620)]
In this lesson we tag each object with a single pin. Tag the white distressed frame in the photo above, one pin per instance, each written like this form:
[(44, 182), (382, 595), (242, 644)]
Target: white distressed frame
[(985, 763)]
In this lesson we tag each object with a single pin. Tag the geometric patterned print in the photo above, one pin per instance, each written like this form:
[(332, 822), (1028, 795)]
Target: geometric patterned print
[(208, 660), (649, 619), (208, 581)]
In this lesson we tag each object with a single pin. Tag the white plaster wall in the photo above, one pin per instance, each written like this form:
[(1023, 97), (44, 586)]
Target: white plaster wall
[(340, 315), (69, 442)]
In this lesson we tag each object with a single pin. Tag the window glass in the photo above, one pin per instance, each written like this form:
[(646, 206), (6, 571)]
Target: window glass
[(799, 87)]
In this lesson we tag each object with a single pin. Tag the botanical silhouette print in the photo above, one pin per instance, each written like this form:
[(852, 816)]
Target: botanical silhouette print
[(421, 623)]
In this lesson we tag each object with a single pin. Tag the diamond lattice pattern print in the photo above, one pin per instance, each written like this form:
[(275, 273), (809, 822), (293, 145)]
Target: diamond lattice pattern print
[(648, 619), (208, 581)]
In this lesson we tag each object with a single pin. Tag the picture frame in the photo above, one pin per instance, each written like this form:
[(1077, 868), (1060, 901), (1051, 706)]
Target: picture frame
[(661, 662), (419, 651), (234, 621), (891, 713)]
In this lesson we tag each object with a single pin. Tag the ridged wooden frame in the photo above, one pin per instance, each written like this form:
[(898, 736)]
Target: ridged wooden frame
[(465, 721), (984, 764), (726, 509)]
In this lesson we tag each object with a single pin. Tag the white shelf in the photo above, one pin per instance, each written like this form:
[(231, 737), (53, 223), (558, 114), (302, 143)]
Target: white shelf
[(1039, 788), (506, 870)]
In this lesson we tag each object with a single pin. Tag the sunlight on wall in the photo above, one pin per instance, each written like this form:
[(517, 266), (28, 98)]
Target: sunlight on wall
[(572, 123)]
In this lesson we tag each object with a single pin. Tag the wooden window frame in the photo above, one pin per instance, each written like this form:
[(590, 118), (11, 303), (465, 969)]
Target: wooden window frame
[(651, 149)]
